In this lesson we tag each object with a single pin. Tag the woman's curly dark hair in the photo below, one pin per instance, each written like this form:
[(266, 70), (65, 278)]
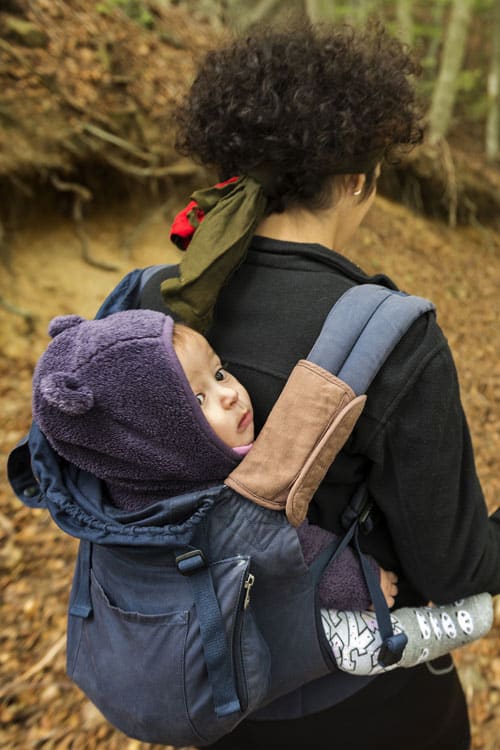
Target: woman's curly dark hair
[(298, 103)]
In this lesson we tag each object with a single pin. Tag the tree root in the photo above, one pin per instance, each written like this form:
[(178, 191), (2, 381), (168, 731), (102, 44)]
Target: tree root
[(81, 195), (181, 168), (129, 240), (452, 187), (28, 317), (118, 141)]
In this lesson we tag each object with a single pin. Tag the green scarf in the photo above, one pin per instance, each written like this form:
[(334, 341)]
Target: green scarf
[(218, 246)]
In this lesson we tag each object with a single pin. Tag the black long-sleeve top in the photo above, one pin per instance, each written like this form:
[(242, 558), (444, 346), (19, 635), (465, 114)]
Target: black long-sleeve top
[(412, 442)]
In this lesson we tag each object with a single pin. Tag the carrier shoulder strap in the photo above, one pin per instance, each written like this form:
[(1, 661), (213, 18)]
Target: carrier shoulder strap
[(130, 291), (362, 329), (323, 398), (322, 401)]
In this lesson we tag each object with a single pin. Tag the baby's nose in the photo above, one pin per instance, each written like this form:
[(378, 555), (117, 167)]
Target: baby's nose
[(229, 397)]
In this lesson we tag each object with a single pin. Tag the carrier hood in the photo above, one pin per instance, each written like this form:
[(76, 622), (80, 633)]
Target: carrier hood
[(78, 503)]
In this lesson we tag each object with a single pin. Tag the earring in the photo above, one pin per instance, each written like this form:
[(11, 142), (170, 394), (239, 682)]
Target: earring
[(357, 192)]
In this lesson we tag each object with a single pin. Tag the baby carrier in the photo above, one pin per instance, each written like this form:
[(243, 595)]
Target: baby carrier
[(189, 615)]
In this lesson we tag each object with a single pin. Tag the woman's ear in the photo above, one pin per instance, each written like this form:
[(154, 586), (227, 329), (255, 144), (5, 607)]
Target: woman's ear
[(357, 183)]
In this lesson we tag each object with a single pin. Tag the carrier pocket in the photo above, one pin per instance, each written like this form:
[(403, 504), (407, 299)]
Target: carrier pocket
[(146, 672)]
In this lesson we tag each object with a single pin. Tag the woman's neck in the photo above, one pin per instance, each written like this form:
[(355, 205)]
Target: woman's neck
[(330, 228)]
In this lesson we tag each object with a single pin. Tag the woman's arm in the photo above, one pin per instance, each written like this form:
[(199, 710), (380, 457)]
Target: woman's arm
[(423, 478)]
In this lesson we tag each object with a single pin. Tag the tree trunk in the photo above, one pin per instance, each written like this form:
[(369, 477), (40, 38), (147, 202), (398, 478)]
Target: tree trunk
[(492, 122), (429, 63), (443, 98), (361, 10), (253, 12), (356, 12), (404, 20), (320, 10)]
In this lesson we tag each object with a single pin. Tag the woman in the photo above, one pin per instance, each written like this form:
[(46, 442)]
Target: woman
[(306, 116)]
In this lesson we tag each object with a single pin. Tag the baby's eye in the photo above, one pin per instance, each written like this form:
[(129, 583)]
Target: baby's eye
[(200, 398), (220, 374)]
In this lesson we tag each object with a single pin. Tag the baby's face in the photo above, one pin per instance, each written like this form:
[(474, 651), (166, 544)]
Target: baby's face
[(224, 401)]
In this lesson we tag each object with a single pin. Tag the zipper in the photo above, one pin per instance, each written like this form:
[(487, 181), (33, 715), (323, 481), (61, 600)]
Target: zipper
[(247, 580)]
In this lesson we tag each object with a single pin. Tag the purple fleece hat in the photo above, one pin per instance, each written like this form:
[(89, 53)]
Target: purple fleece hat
[(111, 397)]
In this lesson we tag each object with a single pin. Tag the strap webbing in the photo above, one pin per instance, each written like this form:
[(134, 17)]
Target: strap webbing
[(335, 548), (213, 635), (81, 602), (392, 644), (382, 611)]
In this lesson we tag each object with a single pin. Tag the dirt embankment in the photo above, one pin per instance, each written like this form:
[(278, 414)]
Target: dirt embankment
[(88, 95)]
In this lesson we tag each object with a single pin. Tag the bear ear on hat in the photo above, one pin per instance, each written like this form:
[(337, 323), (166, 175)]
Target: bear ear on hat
[(62, 391), (63, 322)]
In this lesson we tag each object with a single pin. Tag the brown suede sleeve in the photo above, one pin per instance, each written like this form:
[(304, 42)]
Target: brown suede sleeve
[(308, 425)]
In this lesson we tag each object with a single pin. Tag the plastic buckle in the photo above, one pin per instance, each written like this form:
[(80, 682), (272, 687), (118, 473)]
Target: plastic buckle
[(190, 562), (392, 649)]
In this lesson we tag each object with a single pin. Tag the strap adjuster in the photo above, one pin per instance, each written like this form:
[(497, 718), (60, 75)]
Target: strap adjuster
[(365, 512), (392, 649), (358, 511), (190, 562)]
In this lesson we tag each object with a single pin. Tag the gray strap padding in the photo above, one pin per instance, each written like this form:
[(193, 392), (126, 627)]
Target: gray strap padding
[(362, 329)]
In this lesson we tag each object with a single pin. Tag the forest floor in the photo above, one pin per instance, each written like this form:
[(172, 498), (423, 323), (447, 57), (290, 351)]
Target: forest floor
[(45, 275)]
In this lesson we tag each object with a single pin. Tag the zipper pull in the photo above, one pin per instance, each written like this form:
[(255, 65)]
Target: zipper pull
[(248, 585)]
